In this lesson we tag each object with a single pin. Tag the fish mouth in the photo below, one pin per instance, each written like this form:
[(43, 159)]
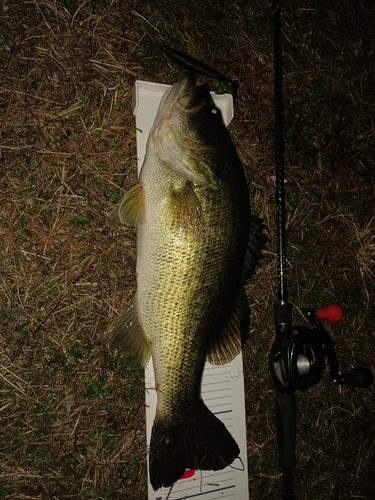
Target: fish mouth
[(183, 101), (184, 86), (191, 96), (185, 94)]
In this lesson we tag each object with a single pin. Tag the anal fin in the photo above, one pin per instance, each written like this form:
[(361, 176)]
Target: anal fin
[(129, 342), (234, 319), (229, 339)]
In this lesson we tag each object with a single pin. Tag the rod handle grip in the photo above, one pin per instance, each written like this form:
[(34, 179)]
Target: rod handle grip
[(286, 429)]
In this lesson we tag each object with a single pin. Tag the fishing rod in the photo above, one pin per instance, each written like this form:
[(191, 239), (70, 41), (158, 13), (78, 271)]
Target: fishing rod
[(297, 357)]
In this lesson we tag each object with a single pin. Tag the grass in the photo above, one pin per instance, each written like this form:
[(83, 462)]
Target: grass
[(72, 420)]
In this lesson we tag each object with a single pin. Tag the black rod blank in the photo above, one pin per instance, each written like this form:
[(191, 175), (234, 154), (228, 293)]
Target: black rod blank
[(282, 291)]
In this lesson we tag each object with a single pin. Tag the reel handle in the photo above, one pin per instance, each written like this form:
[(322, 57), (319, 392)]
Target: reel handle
[(360, 377)]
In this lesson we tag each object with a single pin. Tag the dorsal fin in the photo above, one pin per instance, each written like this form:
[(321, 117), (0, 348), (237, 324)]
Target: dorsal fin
[(256, 243)]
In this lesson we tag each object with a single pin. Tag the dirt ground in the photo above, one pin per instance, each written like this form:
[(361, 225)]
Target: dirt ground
[(72, 423)]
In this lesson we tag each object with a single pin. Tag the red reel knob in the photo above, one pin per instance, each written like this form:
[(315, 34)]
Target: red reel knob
[(331, 312)]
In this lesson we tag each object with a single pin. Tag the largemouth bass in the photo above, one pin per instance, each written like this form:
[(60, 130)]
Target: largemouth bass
[(196, 245)]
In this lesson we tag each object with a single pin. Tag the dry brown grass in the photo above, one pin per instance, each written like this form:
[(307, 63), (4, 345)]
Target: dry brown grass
[(72, 421)]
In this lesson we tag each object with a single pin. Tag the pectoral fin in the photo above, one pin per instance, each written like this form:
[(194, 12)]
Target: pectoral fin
[(185, 210), (198, 172), (129, 342), (229, 339), (132, 207)]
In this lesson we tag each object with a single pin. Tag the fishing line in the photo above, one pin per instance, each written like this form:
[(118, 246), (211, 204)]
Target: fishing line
[(170, 491), (238, 468)]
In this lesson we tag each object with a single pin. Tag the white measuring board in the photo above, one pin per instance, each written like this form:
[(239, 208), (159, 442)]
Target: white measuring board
[(222, 386)]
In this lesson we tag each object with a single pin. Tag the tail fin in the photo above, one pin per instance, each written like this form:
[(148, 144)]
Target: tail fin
[(201, 442)]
